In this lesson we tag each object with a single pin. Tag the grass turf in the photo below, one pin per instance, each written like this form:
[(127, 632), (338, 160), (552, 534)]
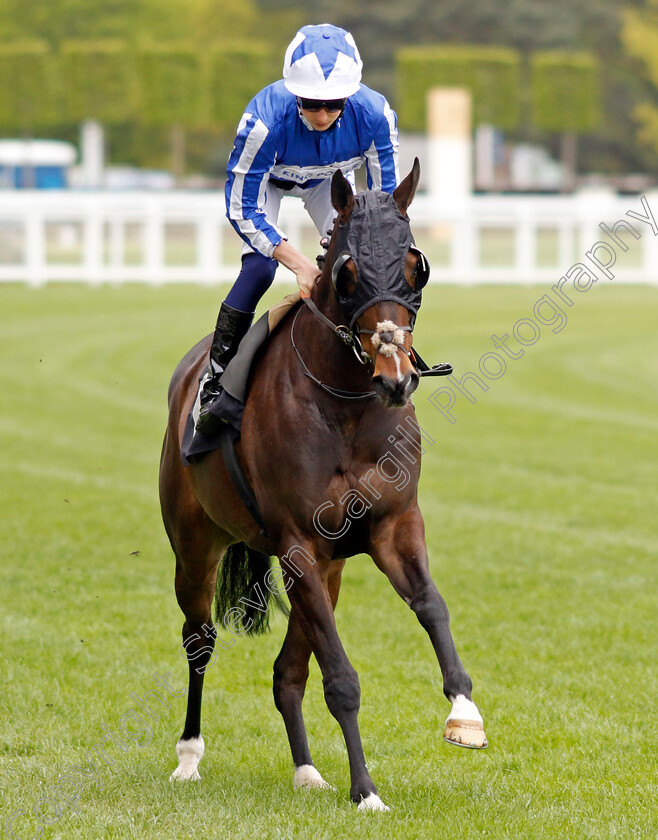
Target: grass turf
[(540, 510)]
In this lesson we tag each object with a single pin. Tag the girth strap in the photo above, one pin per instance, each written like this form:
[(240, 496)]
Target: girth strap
[(228, 438)]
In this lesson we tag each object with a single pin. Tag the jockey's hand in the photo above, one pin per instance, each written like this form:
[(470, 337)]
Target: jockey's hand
[(306, 279), (306, 272)]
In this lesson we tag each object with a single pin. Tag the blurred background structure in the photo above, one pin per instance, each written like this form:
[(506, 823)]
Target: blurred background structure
[(533, 122)]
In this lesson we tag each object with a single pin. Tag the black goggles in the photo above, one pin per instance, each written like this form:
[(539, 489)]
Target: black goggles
[(319, 104)]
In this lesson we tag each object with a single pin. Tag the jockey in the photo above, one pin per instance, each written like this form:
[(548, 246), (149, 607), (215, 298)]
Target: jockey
[(292, 137)]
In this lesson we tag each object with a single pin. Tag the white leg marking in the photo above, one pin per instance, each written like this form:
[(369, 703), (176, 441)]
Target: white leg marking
[(189, 754), (306, 776), (372, 803), (464, 709)]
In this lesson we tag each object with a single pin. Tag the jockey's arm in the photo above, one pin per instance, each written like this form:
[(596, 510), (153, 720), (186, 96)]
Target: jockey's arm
[(306, 272)]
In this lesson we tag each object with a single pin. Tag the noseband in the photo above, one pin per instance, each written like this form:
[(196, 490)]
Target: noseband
[(387, 338)]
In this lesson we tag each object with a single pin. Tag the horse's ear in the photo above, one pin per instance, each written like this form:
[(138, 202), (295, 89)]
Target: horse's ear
[(405, 191), (342, 196)]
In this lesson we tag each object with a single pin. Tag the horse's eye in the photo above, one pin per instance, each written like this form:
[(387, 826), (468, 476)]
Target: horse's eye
[(417, 276), (411, 272), (345, 282)]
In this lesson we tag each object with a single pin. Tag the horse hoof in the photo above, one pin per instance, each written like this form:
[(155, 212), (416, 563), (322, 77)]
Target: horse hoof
[(189, 752), (372, 803), (306, 776), (185, 774), (465, 733)]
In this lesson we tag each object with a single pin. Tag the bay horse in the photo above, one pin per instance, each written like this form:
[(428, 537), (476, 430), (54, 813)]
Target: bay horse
[(331, 447)]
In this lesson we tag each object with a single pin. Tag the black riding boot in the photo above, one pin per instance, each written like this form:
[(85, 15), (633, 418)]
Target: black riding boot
[(232, 324)]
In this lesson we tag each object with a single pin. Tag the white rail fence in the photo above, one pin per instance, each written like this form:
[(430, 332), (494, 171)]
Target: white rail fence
[(105, 237)]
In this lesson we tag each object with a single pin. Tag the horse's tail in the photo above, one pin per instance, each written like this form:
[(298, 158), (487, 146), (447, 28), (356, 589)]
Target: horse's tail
[(243, 596)]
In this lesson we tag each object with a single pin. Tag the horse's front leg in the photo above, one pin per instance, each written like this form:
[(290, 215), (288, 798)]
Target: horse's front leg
[(290, 677), (398, 548), (312, 605)]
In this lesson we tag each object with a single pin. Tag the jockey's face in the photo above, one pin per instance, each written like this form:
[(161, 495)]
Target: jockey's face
[(320, 118), (321, 114)]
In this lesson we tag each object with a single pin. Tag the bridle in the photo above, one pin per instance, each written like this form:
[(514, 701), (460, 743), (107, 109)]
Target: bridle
[(384, 336), (352, 338), (387, 337), (387, 331)]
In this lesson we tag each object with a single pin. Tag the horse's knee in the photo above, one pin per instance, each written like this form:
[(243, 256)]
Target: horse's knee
[(429, 606), (343, 693)]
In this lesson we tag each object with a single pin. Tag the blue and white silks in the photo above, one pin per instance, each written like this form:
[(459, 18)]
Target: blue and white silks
[(274, 141)]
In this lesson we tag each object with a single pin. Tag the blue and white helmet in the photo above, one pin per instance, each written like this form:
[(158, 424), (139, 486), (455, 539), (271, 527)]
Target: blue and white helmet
[(322, 62)]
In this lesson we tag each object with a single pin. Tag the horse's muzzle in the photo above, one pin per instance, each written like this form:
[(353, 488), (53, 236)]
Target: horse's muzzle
[(395, 392)]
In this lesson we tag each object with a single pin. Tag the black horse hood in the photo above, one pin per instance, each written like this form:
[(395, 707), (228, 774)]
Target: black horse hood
[(377, 238)]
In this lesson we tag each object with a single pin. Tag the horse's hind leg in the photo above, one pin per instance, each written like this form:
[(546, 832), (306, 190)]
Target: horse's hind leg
[(290, 676), (398, 548), (198, 643), (198, 550)]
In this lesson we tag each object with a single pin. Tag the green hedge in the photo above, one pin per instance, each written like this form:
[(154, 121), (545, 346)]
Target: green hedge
[(28, 93), (235, 76), (98, 81), (565, 91), (491, 74), (113, 83), (169, 84), (165, 84)]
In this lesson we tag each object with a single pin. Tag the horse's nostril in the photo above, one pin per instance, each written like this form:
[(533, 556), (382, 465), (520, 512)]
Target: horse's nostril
[(411, 381), (384, 385)]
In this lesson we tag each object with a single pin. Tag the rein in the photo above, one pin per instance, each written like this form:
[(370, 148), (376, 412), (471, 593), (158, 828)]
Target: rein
[(347, 337)]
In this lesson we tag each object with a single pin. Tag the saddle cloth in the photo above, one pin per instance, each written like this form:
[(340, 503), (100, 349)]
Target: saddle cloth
[(235, 382)]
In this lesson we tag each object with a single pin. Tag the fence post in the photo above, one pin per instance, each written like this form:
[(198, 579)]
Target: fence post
[(207, 247), (35, 247), (525, 242), (154, 242), (93, 250)]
